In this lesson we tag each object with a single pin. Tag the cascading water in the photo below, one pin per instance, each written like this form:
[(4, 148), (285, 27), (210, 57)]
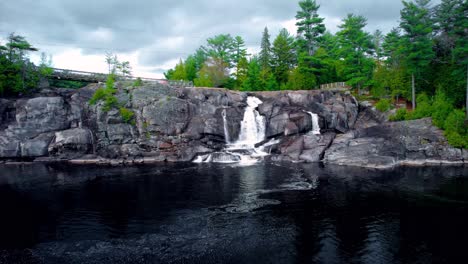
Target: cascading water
[(226, 130), (315, 123), (252, 127), (243, 151)]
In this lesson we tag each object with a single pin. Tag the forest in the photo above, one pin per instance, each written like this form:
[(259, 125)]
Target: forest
[(423, 61)]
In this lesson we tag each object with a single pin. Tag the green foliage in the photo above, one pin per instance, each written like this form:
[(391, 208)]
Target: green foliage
[(253, 81), (18, 75), (264, 57), (417, 25), (455, 129), (110, 102), (424, 108), (127, 115), (383, 105), (310, 26), (441, 109), (456, 122), (99, 95), (106, 94), (443, 115), (283, 57), (356, 45), (456, 140), (138, 82), (179, 73), (221, 47), (400, 115), (67, 84)]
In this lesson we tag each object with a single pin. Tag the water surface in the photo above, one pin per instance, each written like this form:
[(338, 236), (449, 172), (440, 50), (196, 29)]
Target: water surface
[(214, 213)]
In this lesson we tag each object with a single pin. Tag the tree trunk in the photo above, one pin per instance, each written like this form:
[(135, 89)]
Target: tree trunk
[(413, 89)]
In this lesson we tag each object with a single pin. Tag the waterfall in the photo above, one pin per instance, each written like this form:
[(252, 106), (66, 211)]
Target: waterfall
[(253, 126), (252, 132), (225, 124), (315, 123)]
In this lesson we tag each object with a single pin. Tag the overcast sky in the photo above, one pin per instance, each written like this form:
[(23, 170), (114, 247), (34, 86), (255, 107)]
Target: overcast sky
[(154, 34)]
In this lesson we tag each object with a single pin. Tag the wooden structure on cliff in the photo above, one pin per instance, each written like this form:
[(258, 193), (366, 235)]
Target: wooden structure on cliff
[(334, 86), (94, 77)]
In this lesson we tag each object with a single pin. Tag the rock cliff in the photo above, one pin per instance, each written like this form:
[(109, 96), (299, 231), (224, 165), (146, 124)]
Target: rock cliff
[(177, 124)]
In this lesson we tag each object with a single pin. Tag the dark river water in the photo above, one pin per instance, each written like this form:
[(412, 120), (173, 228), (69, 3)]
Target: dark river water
[(266, 213)]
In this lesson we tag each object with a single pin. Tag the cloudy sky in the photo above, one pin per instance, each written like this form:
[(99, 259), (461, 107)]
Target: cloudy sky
[(154, 34)]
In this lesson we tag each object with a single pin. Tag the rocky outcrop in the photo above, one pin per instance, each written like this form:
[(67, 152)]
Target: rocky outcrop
[(389, 144), (177, 124)]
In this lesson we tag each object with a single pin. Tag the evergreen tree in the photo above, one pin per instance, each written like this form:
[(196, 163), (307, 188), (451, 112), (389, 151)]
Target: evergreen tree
[(265, 51), (179, 73), (241, 71), (240, 51), (283, 56), (355, 49), (377, 39), (310, 26), (417, 25), (191, 68), (252, 82), (221, 47)]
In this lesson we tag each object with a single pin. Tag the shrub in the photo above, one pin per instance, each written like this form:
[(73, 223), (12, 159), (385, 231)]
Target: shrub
[(127, 115), (383, 105), (400, 115), (456, 122), (106, 94), (423, 109), (99, 95), (456, 140), (109, 103), (138, 82), (441, 109)]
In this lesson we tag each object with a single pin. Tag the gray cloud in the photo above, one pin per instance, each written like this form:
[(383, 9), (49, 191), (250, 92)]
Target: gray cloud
[(164, 30)]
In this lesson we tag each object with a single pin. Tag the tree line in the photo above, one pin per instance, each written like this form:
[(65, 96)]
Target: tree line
[(18, 75), (423, 60), (426, 52)]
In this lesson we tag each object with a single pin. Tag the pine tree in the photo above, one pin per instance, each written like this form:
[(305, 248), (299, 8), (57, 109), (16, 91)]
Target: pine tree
[(283, 56), (179, 72), (377, 39), (310, 26), (355, 49), (417, 25), (221, 47), (252, 82), (265, 51)]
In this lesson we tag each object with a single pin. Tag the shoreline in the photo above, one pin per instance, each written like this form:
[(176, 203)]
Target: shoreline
[(158, 161)]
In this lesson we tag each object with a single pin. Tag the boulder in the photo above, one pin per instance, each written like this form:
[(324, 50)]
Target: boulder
[(72, 143)]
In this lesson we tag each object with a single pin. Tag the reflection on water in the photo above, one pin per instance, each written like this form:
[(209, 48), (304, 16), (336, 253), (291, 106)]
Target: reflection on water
[(211, 213)]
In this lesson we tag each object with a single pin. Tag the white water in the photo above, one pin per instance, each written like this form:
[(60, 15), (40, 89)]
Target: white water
[(243, 151), (315, 123), (252, 127), (226, 130)]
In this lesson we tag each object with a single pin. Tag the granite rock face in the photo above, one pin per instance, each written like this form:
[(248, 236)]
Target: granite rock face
[(389, 144), (177, 124)]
